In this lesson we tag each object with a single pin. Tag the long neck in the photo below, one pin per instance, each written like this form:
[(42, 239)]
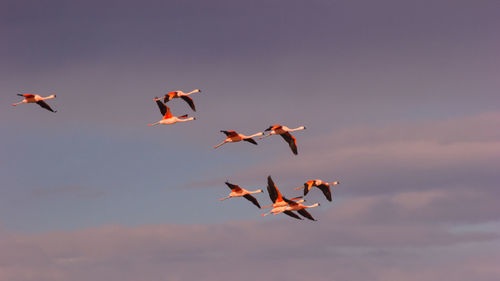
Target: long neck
[(297, 129), (255, 135), (192, 92), (256, 191), (49, 97), (313, 205), (187, 119)]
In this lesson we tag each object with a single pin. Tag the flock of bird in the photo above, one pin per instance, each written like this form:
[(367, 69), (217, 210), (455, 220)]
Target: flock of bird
[(280, 204)]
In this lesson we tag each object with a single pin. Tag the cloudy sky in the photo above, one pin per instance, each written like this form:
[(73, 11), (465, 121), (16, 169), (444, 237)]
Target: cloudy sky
[(401, 103)]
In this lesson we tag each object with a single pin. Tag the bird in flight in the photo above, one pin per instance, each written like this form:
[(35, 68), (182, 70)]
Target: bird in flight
[(168, 118), (29, 98), (284, 132), (232, 136), (279, 202), (324, 186), (237, 191), (180, 94), (301, 209)]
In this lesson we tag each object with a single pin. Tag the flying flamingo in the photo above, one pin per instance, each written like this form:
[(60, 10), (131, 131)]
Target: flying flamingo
[(279, 204), (324, 186), (180, 94), (301, 209), (28, 98), (284, 132), (168, 118), (237, 191), (232, 136)]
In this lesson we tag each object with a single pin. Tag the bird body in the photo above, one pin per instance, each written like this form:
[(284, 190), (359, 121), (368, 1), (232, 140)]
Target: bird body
[(168, 118), (301, 209), (280, 203), (232, 136), (324, 186), (180, 94), (237, 191), (29, 98), (284, 132)]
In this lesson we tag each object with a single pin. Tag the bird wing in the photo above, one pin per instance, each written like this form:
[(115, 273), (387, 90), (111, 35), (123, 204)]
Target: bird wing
[(292, 142), (290, 202), (326, 191), (167, 114), (26, 95), (44, 105), (233, 187), (273, 191), (307, 187), (250, 140), (305, 214), (162, 107), (230, 134), (291, 214), (189, 101), (273, 127), (252, 199), (168, 97)]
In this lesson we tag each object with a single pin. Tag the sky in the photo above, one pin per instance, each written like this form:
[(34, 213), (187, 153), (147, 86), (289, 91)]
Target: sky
[(400, 101)]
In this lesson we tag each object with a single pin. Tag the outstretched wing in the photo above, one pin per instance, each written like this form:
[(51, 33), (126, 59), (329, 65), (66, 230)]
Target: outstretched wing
[(168, 97), (26, 95), (307, 187), (230, 133), (252, 199), (44, 105), (167, 114), (189, 101), (291, 214), (305, 214), (326, 191), (273, 127), (290, 202), (162, 107), (292, 142), (233, 187), (250, 140), (272, 190)]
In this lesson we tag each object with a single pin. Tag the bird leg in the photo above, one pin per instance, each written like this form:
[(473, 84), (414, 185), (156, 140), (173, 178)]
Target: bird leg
[(222, 199), (155, 123), (23, 101), (220, 144)]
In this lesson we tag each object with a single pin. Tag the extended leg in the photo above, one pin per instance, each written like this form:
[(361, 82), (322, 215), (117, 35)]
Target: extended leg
[(220, 144)]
